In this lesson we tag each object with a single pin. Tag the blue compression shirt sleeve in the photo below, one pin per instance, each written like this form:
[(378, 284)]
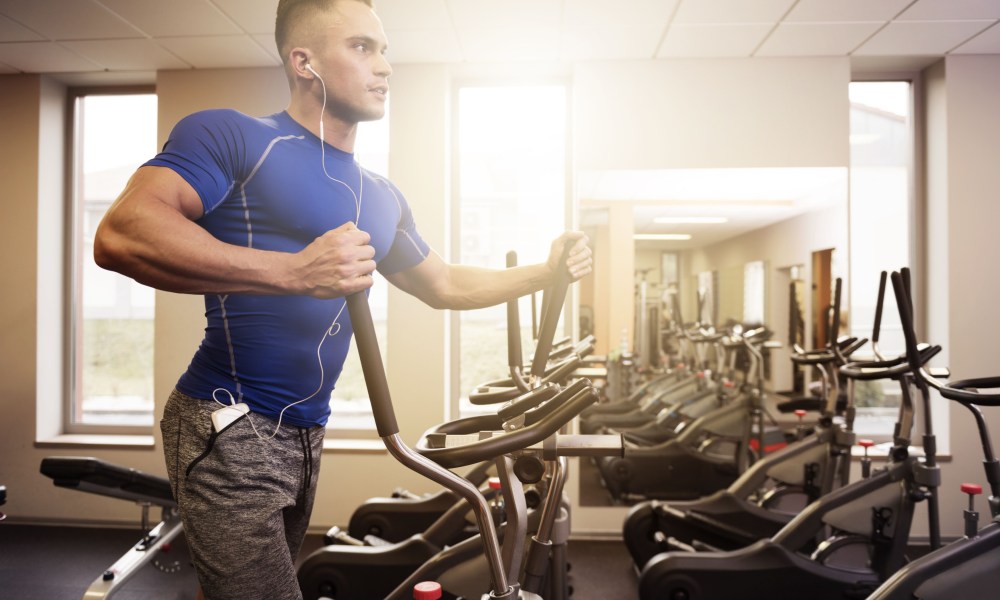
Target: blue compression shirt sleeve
[(408, 248), (208, 151)]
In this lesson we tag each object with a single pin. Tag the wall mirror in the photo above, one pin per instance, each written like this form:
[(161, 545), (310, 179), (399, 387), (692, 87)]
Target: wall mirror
[(734, 245)]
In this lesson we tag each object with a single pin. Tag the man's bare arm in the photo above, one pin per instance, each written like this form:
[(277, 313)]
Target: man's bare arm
[(150, 235), (442, 285)]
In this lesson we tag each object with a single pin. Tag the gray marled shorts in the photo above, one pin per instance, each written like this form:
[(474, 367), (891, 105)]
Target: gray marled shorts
[(245, 501)]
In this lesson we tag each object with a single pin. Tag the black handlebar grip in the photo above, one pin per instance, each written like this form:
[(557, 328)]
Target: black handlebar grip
[(908, 286), (835, 325), (534, 317), (552, 304), (514, 356), (878, 307), (371, 364), (793, 315), (906, 318), (702, 296), (835, 332)]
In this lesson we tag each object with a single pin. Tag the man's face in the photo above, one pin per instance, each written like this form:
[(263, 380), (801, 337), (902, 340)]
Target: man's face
[(350, 57)]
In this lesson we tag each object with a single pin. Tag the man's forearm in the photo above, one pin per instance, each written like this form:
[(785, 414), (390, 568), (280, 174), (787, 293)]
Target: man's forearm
[(475, 287), (168, 252)]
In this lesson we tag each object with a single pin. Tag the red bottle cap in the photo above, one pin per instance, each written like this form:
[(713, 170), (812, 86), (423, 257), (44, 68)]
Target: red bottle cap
[(427, 590), (494, 483), (972, 488)]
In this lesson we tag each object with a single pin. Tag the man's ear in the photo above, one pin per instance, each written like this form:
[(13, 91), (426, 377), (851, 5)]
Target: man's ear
[(299, 59)]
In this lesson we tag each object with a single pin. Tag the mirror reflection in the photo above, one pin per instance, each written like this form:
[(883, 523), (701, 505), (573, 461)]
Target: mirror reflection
[(710, 249)]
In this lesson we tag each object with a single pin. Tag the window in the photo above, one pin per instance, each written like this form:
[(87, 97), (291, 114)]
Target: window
[(110, 345), (511, 196), (754, 292), (350, 409), (880, 217)]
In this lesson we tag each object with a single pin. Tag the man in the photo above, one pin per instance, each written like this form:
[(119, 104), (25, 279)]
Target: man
[(275, 227)]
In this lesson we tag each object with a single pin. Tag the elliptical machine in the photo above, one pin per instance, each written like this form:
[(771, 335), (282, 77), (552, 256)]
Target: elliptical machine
[(390, 570), (966, 568), (707, 454), (441, 449), (766, 497), (864, 527), (403, 514)]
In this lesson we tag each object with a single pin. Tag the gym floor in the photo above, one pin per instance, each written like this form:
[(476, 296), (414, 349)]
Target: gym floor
[(59, 563)]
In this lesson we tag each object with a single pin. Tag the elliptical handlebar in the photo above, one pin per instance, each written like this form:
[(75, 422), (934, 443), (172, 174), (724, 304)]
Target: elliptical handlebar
[(569, 402), (385, 423), (371, 365), (900, 288), (527, 401), (834, 339), (959, 390), (886, 369), (513, 317), (546, 350), (849, 345), (879, 305), (550, 316), (498, 392), (514, 357)]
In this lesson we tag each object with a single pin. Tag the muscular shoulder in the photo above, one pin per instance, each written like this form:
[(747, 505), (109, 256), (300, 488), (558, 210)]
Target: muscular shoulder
[(380, 181), (222, 124), (213, 149)]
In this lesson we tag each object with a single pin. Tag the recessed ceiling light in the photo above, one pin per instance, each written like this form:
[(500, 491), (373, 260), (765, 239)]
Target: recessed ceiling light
[(674, 237), (689, 220)]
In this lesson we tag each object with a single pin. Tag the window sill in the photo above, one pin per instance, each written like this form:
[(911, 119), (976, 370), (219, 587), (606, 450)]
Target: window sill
[(82, 440), (143, 442), (356, 446), (881, 450)]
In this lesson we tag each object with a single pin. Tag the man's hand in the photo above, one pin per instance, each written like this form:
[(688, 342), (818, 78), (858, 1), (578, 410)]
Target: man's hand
[(338, 263), (580, 261)]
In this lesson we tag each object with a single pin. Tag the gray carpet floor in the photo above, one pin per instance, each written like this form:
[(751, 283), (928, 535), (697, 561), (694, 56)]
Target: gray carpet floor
[(59, 563)]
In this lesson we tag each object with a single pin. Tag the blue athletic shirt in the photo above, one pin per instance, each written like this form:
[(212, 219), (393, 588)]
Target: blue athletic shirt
[(262, 184)]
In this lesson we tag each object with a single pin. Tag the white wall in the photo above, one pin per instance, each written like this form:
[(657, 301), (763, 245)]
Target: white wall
[(711, 113), (963, 247), (782, 245)]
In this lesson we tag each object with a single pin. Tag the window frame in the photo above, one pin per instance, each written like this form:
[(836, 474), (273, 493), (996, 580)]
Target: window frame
[(72, 215), (917, 230), (453, 347)]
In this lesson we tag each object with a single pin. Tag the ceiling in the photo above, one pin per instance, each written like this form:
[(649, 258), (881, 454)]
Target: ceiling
[(90, 42), (96, 41)]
